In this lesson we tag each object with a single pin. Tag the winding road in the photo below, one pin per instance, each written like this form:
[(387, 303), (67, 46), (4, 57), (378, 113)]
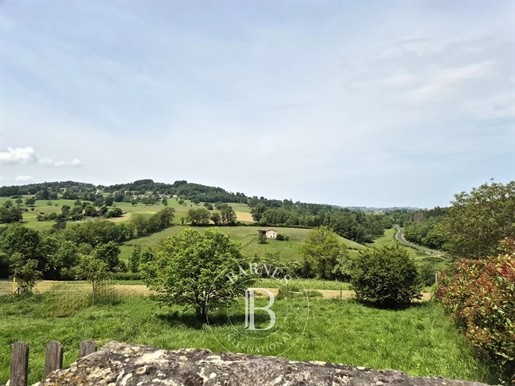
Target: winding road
[(402, 240)]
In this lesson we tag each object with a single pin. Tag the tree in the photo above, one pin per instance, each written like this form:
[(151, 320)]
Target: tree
[(262, 238), (227, 216), (26, 242), (18, 202), (109, 201), (386, 276), (76, 213), (92, 269), (165, 217), (65, 209), (215, 217), (198, 216), (25, 271), (65, 259), (135, 258), (190, 269), (140, 223), (164, 201), (10, 215), (31, 201), (59, 224), (109, 253), (323, 253), (479, 220), (257, 211), (8, 203)]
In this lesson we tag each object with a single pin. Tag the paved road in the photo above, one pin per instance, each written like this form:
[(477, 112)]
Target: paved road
[(402, 240)]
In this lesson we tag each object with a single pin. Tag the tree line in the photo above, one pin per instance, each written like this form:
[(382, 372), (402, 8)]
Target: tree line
[(30, 255), (353, 225)]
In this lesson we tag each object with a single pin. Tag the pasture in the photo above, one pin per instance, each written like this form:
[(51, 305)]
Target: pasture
[(42, 206), (419, 340), (247, 236)]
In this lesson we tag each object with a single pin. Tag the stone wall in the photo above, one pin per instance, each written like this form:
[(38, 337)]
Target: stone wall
[(136, 365)]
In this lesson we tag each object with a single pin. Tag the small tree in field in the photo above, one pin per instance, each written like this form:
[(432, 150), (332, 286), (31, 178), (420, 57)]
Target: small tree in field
[(92, 269), (26, 272), (190, 269), (386, 276)]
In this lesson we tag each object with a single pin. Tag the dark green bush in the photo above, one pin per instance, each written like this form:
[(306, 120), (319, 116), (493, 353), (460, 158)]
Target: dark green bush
[(386, 277)]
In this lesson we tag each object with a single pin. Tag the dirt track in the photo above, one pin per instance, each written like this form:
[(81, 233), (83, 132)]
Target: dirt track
[(140, 289)]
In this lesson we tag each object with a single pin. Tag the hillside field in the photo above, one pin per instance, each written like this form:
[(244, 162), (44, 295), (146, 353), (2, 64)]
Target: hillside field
[(30, 217), (247, 235)]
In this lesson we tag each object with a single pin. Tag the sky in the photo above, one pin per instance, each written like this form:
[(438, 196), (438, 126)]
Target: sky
[(377, 103)]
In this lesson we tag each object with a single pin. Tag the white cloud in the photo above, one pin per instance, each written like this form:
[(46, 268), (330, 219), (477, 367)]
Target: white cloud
[(18, 155), (27, 155), (23, 178)]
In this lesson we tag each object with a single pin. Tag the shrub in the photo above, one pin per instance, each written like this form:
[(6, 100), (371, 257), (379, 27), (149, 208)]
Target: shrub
[(481, 300), (386, 276)]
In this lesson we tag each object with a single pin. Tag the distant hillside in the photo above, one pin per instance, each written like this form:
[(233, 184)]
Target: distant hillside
[(354, 225), (84, 191), (390, 209)]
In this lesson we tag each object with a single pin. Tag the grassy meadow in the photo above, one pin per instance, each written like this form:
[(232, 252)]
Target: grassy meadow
[(30, 217), (419, 340), (247, 235)]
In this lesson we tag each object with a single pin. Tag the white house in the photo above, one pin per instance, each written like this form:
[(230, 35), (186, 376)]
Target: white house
[(269, 233)]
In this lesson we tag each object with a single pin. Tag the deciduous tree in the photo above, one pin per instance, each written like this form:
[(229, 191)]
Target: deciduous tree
[(479, 220), (190, 269), (323, 253)]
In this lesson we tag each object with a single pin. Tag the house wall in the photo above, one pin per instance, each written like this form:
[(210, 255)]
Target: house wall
[(271, 234)]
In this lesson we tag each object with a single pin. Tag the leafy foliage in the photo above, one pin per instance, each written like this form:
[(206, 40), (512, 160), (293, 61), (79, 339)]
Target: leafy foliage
[(198, 216), (481, 300), (479, 220), (386, 276), (323, 253), (425, 228), (93, 269), (190, 269)]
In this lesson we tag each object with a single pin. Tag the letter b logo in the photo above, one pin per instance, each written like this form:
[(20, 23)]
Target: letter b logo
[(250, 308)]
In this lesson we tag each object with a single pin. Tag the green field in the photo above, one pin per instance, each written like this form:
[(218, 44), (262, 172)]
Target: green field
[(30, 217), (419, 340), (247, 235)]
